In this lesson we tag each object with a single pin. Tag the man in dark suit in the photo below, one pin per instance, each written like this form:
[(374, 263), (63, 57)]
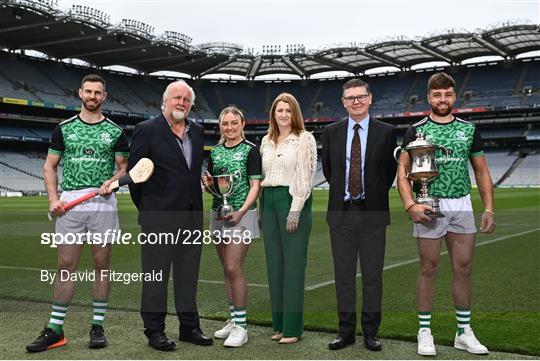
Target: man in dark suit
[(358, 163), (170, 202)]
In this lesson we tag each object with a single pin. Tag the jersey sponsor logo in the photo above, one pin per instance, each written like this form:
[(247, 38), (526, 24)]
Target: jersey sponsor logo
[(72, 136), (88, 159), (88, 151), (450, 159)]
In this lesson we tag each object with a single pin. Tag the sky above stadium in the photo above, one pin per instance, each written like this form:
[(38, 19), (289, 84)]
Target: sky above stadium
[(312, 23)]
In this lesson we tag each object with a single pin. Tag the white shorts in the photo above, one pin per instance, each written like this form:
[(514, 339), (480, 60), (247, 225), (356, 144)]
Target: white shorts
[(95, 216), (248, 227), (458, 218)]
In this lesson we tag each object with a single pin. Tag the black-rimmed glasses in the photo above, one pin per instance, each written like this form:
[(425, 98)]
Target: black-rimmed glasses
[(359, 98)]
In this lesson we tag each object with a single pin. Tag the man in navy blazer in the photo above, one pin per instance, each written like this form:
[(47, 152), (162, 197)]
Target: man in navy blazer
[(358, 163), (170, 202)]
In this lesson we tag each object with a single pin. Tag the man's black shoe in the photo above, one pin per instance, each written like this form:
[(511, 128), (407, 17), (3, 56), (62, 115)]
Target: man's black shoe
[(341, 342), (97, 337), (372, 343), (159, 341), (195, 336), (47, 340)]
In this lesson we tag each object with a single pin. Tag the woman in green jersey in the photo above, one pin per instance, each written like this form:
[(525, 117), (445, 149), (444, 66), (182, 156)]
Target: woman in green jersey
[(237, 156)]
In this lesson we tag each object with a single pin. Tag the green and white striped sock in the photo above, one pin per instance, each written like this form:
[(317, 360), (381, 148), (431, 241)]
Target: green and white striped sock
[(463, 316), (100, 308), (58, 314), (240, 317), (424, 319), (231, 310)]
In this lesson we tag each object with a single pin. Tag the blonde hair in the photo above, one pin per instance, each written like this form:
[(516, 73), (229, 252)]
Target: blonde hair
[(297, 120), (235, 111)]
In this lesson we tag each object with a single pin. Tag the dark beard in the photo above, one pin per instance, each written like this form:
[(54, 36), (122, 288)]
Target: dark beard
[(91, 108), (436, 111)]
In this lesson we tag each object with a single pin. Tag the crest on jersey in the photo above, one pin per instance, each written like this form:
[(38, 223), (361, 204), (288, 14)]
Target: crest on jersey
[(237, 156), (460, 135), (105, 137)]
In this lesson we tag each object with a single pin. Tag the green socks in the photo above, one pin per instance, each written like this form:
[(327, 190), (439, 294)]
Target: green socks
[(240, 316), (463, 317), (424, 319), (100, 308), (231, 310), (59, 310), (58, 314)]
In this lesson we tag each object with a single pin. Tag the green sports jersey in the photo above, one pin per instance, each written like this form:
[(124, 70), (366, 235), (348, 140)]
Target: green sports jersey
[(243, 159), (87, 151), (463, 141)]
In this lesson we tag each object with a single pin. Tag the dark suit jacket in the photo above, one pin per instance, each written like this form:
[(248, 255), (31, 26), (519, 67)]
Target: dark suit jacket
[(379, 170), (172, 197)]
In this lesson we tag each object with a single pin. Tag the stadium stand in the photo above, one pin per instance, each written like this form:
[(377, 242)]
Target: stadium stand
[(527, 173), (514, 132), (20, 172), (499, 163), (502, 97), (490, 86)]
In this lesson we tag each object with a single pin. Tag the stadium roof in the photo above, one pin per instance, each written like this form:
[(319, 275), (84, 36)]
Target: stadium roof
[(87, 34)]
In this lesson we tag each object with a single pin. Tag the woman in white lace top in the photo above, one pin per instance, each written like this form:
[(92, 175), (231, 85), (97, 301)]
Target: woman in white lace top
[(289, 161)]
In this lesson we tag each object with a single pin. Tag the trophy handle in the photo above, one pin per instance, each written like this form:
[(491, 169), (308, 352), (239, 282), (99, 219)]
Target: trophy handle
[(396, 154), (446, 152), (211, 190), (237, 174)]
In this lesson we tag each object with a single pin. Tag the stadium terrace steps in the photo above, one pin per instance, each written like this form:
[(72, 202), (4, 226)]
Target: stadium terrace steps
[(525, 173), (141, 94), (21, 170)]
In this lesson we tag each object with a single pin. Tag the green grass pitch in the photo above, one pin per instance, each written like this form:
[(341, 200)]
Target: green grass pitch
[(506, 294)]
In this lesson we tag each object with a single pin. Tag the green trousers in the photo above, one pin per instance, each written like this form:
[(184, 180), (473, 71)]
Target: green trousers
[(286, 257)]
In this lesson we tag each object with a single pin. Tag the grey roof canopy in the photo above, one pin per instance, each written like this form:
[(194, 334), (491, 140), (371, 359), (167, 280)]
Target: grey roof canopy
[(87, 34)]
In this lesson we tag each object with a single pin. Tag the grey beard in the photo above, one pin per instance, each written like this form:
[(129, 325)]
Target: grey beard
[(178, 115)]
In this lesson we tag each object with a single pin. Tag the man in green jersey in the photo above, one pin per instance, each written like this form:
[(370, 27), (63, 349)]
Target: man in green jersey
[(453, 187), (89, 145)]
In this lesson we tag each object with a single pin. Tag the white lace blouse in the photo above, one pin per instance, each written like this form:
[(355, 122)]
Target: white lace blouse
[(292, 164)]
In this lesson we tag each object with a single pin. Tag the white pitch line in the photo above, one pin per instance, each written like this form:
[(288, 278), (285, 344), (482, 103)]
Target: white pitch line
[(53, 270), (399, 264)]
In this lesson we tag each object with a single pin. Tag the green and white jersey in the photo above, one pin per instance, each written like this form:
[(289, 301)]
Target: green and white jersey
[(243, 160), (87, 151), (463, 141)]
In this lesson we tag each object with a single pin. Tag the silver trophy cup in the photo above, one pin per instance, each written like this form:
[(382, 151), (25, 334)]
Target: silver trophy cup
[(222, 187), (423, 169)]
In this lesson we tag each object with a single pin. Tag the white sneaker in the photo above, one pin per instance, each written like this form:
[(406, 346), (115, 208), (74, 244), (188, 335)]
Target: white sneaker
[(426, 347), (237, 338), (468, 342), (225, 331)]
